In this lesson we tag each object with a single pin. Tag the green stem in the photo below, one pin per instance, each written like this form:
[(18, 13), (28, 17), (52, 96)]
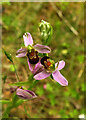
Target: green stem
[(10, 106), (16, 72), (7, 111), (34, 83)]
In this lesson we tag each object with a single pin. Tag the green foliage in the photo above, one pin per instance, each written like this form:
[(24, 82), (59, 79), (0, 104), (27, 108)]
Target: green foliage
[(7, 20), (5, 115), (8, 55), (19, 83), (6, 112), (73, 113), (18, 102), (7, 2), (5, 102), (26, 111), (40, 91), (64, 5), (30, 77), (33, 84), (49, 87)]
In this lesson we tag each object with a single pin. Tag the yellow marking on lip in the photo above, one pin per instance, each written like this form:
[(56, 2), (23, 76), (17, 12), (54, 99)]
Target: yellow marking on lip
[(51, 65), (20, 87), (34, 56)]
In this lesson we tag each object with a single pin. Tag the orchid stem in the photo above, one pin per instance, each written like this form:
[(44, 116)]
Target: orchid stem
[(16, 72), (34, 83)]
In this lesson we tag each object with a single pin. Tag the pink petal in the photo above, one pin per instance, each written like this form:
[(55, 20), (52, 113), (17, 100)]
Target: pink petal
[(13, 89), (30, 65), (42, 48), (21, 54), (59, 78), (42, 75), (21, 50), (27, 39), (25, 94), (61, 64), (32, 93)]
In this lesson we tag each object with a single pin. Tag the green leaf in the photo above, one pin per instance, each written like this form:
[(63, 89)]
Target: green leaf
[(14, 99), (26, 111), (19, 83), (5, 115), (7, 111), (8, 56), (5, 102)]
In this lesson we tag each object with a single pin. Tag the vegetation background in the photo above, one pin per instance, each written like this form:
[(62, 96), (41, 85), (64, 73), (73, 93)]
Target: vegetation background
[(55, 101)]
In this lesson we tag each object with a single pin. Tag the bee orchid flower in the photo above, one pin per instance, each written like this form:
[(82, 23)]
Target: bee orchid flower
[(31, 51), (50, 67), (22, 93), (25, 94)]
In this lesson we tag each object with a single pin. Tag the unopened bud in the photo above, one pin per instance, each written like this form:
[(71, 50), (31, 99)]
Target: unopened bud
[(46, 31)]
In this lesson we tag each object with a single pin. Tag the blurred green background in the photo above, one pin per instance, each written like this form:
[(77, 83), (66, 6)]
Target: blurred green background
[(55, 101)]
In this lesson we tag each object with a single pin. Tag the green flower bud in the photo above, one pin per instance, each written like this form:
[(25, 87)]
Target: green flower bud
[(46, 32)]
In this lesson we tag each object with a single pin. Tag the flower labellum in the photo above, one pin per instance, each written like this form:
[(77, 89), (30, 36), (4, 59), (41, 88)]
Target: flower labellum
[(48, 64), (33, 56)]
